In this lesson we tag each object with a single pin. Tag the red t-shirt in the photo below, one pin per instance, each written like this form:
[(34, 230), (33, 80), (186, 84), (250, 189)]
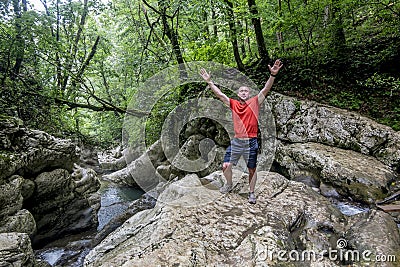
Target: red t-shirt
[(245, 117)]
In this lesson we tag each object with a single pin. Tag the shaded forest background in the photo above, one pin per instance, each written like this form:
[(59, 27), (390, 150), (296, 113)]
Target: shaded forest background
[(72, 69)]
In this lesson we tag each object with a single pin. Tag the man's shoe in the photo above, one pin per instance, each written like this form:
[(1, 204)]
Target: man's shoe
[(226, 188), (252, 198)]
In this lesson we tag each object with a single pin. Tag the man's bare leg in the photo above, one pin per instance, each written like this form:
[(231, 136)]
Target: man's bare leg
[(252, 179), (252, 182), (227, 170)]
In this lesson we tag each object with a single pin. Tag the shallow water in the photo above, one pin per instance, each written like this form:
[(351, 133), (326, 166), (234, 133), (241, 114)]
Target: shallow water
[(72, 250), (350, 208), (114, 201)]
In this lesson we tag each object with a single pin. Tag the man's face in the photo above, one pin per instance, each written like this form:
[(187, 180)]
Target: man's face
[(244, 93)]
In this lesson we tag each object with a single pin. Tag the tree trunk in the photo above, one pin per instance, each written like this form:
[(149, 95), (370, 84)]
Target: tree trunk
[(337, 37), (19, 40), (279, 34), (233, 35), (173, 38), (215, 28), (243, 42), (75, 45), (337, 30), (206, 29), (262, 51)]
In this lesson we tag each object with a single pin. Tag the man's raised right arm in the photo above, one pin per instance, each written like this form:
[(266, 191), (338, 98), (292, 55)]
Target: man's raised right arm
[(207, 77)]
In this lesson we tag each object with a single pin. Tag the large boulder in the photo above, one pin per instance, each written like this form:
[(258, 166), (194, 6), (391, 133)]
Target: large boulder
[(361, 177), (141, 171), (62, 205), (365, 234), (38, 194), (307, 121), (193, 225), (13, 218), (24, 151)]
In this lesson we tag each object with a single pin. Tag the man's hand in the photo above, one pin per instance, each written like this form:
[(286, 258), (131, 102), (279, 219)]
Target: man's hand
[(205, 75), (276, 67), (214, 88)]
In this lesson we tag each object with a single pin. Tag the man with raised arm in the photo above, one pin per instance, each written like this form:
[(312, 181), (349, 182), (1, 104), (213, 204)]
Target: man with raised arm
[(245, 123)]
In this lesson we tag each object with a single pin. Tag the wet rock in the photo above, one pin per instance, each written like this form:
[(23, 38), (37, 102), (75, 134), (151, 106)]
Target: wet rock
[(11, 199), (112, 160), (328, 191), (146, 201), (141, 171), (194, 225), (39, 198), (89, 159), (164, 171), (22, 222)]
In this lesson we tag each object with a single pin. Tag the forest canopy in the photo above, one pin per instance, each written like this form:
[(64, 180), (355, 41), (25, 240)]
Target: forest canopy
[(72, 68)]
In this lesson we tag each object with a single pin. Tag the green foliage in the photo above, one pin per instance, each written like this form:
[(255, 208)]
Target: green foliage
[(346, 100), (159, 113), (340, 52)]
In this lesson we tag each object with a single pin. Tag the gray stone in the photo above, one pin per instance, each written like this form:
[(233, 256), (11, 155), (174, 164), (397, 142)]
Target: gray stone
[(308, 121), (376, 235), (353, 174), (22, 222), (61, 205), (193, 225), (16, 250), (164, 171), (140, 171), (11, 199), (30, 151)]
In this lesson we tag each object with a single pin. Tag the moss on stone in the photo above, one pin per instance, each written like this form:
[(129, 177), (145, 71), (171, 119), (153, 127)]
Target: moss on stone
[(359, 190)]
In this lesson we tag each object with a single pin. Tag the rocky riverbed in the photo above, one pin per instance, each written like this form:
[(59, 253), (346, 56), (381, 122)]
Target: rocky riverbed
[(329, 170)]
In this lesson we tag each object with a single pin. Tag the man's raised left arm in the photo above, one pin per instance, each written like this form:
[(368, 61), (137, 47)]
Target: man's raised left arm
[(268, 85)]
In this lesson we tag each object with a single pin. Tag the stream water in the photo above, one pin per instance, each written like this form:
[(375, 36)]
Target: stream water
[(71, 250), (349, 208)]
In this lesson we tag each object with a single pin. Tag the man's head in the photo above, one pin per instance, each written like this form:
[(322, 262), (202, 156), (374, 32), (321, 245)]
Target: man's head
[(243, 93)]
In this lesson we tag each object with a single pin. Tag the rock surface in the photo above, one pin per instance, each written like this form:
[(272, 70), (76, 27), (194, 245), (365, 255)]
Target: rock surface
[(193, 225), (359, 176), (300, 121), (39, 197), (16, 250), (62, 205), (24, 151)]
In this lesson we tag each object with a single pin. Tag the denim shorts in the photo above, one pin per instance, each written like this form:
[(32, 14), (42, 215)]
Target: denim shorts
[(246, 148)]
